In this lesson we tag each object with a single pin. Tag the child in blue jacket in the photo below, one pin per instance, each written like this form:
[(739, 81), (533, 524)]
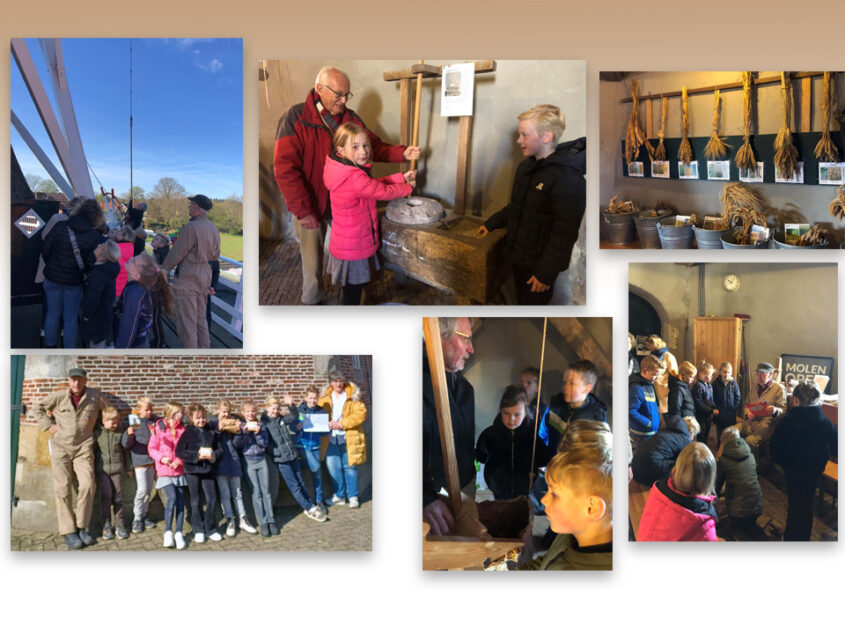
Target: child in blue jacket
[(643, 411)]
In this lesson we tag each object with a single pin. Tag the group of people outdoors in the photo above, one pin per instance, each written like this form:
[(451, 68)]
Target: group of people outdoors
[(562, 462), (671, 411), (210, 455), (322, 159), (104, 289)]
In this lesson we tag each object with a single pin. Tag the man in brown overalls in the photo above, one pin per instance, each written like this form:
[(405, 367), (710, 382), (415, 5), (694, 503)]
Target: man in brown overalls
[(198, 244), (70, 417)]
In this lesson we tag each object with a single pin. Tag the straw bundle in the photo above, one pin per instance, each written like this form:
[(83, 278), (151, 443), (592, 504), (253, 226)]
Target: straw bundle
[(837, 207), (786, 155), (825, 150), (660, 152), (635, 136), (738, 196), (716, 148), (745, 156), (685, 151), (615, 206), (815, 236), (743, 220)]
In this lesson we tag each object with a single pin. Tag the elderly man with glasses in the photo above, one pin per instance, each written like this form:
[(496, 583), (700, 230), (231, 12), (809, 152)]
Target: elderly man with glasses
[(303, 141), (456, 343)]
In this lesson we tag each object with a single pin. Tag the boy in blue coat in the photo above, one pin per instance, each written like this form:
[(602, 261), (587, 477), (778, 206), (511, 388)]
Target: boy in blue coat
[(643, 412)]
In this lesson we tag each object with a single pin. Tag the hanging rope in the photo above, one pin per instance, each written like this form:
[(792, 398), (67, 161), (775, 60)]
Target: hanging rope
[(825, 149), (131, 182), (537, 417), (685, 151), (744, 158), (786, 156)]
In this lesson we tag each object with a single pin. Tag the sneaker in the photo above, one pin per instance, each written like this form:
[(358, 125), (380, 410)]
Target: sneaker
[(323, 508), (215, 537), (138, 526), (148, 523), (85, 537), (122, 533), (108, 532), (274, 530), (168, 539), (246, 526), (199, 538), (353, 503), (316, 514), (180, 541), (73, 542), (230, 528), (265, 530), (339, 501)]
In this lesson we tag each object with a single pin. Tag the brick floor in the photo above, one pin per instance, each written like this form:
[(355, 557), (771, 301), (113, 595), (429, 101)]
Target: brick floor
[(346, 529)]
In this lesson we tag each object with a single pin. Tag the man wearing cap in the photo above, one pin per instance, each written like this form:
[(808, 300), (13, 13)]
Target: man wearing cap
[(760, 427), (70, 416), (303, 141), (192, 255)]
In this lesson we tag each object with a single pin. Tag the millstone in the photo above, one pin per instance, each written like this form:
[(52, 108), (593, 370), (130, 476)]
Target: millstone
[(417, 210)]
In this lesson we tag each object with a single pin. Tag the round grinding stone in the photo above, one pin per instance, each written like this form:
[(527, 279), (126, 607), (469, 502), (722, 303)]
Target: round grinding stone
[(417, 210)]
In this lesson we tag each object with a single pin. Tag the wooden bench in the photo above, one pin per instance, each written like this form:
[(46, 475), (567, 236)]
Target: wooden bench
[(637, 496)]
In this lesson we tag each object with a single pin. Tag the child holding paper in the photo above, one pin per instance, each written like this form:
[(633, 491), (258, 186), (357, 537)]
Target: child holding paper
[(308, 441)]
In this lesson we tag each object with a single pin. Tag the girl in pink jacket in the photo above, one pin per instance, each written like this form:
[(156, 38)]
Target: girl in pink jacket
[(353, 193), (681, 509), (170, 471)]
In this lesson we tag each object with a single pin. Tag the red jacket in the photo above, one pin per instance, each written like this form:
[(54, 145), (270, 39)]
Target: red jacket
[(162, 443), (127, 252), (303, 141), (685, 519), (354, 194)]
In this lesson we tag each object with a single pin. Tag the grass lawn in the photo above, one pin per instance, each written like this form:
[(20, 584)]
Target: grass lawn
[(232, 246)]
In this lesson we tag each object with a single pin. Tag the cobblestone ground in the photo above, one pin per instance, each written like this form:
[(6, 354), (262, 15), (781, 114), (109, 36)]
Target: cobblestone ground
[(346, 529)]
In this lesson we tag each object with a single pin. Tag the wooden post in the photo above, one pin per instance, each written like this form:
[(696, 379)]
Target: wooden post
[(431, 330), (404, 116), (415, 139), (806, 105), (464, 133)]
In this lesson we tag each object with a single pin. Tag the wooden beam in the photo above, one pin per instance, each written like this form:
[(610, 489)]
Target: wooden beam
[(464, 132), (806, 124), (582, 342), (735, 85), (484, 66), (404, 116)]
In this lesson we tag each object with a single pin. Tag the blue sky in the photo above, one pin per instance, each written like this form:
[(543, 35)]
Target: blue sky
[(187, 110)]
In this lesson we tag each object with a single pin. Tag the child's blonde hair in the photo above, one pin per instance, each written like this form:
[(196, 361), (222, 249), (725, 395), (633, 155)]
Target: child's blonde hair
[(195, 407), (125, 234), (656, 341), (344, 133), (225, 402), (650, 362), (726, 364), (728, 433), (704, 366), (585, 469), (694, 472), (272, 400), (692, 425), (585, 432), (110, 413), (171, 408), (312, 389), (547, 118), (144, 400), (687, 369), (248, 403), (109, 251)]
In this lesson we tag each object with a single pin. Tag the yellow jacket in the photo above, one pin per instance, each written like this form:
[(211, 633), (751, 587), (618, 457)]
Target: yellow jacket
[(354, 415)]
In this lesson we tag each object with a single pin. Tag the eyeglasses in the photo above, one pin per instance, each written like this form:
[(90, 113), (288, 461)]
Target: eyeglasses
[(467, 338), (348, 96)]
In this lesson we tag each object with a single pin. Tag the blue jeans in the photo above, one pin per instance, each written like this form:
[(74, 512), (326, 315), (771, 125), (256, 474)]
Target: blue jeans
[(311, 457), (175, 502), (259, 478), (343, 476), (62, 306), (292, 475), (230, 489)]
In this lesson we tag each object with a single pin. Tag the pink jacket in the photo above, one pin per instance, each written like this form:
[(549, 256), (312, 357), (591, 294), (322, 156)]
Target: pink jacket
[(665, 520), (127, 250), (162, 443), (353, 195)]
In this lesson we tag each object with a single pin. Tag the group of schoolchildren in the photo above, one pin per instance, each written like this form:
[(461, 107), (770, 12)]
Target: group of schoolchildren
[(542, 219), (101, 285), (571, 453), (669, 439), (210, 455)]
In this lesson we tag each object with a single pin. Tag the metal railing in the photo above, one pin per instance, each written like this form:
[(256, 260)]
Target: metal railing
[(232, 321)]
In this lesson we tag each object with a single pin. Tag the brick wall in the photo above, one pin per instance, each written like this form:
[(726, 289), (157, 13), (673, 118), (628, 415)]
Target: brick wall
[(201, 378)]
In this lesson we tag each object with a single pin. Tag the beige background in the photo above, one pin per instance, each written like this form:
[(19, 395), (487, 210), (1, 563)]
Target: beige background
[(768, 585)]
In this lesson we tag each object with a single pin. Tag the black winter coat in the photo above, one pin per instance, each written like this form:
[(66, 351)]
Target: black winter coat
[(188, 448), (60, 265), (462, 409), (727, 399), (592, 409), (656, 456), (737, 470), (702, 396), (282, 430), (680, 398), (545, 211), (98, 302), (506, 455), (804, 440)]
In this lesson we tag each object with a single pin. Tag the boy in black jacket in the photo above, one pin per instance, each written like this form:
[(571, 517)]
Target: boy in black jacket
[(199, 449), (97, 310), (546, 206)]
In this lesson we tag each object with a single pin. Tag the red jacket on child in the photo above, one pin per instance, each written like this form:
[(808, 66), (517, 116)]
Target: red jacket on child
[(354, 194), (162, 443), (672, 516)]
